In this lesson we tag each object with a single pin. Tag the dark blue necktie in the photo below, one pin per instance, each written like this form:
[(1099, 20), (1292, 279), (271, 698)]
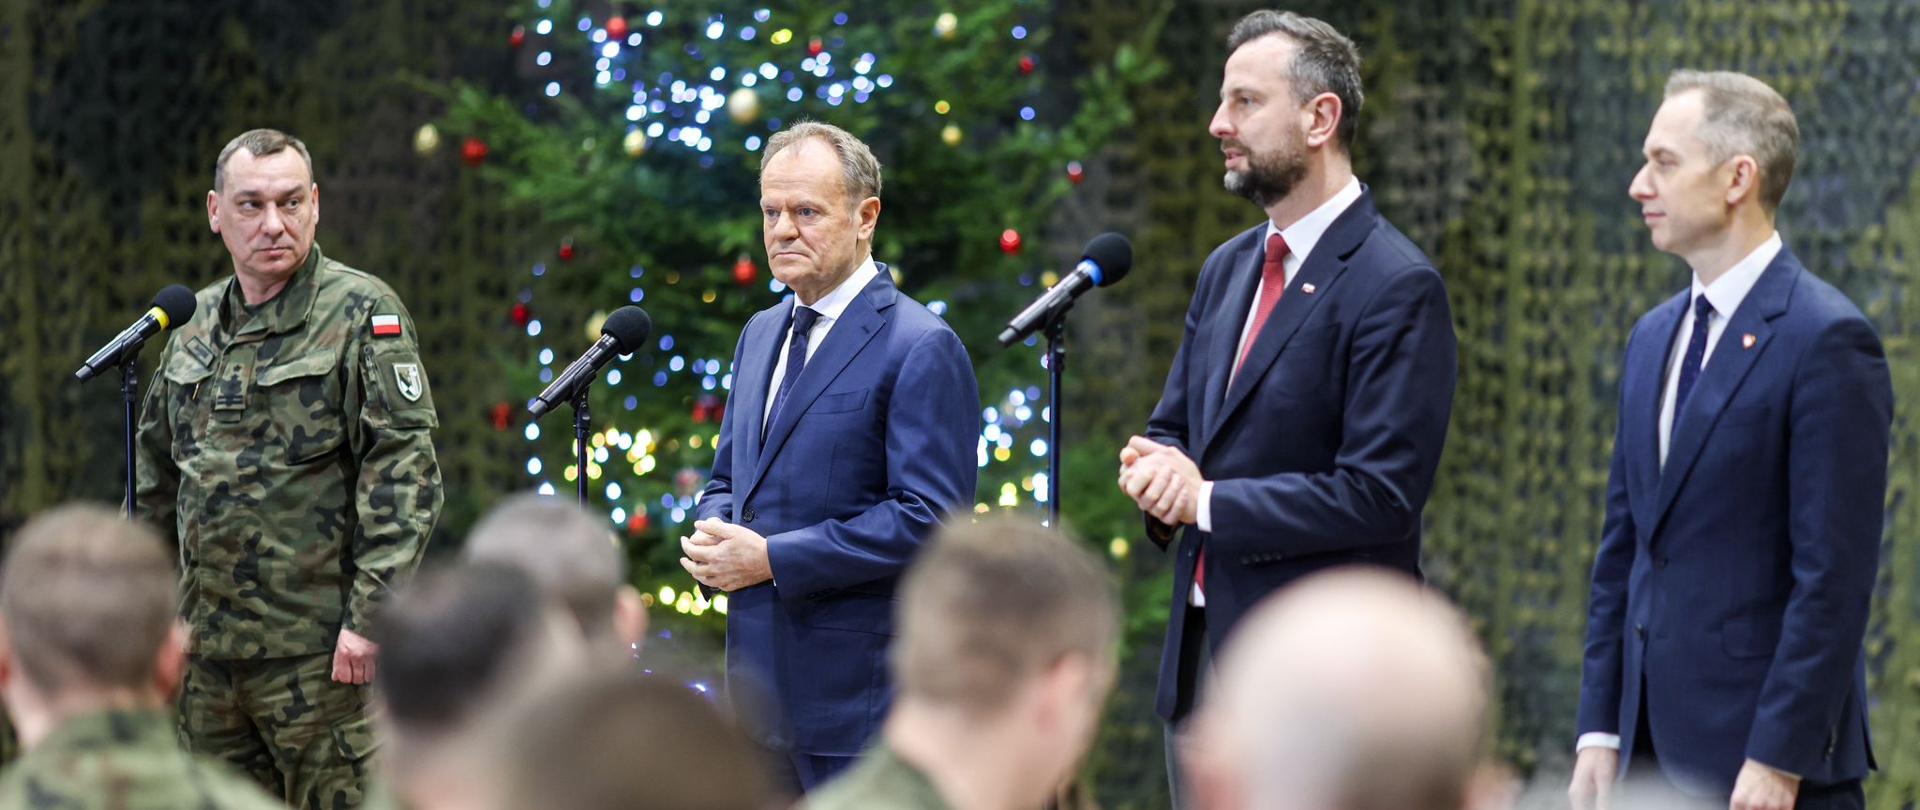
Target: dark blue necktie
[(1696, 354), (802, 327)]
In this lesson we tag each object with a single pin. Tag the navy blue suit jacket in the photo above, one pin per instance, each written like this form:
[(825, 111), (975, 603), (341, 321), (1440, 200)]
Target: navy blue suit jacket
[(874, 446), (1734, 583), (1323, 450)]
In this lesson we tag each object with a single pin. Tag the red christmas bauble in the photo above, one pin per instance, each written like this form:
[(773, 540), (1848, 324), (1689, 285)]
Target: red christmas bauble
[(1010, 241), (616, 28), (518, 37), (502, 416), (637, 525), (474, 151), (744, 271), (566, 250), (1075, 172), (521, 314), (1026, 65), (815, 46)]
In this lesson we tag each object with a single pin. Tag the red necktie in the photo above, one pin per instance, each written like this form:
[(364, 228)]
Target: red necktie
[(1273, 284)]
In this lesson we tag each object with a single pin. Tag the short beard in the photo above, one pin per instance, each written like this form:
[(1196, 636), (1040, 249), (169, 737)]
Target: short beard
[(1268, 178)]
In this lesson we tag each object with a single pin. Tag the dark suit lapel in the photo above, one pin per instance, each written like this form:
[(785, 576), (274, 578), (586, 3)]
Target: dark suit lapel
[(850, 333), (1228, 323), (1325, 264), (757, 357), (1726, 368), (1649, 383)]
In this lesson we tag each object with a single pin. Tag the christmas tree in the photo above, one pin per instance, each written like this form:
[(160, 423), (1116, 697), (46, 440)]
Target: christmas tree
[(632, 136)]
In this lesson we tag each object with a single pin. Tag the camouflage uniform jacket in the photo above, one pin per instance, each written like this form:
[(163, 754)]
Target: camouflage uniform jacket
[(880, 780), (120, 760), (289, 452)]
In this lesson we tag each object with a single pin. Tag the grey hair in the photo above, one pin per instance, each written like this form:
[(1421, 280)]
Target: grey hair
[(1324, 61), (857, 163), (260, 142), (1743, 116)]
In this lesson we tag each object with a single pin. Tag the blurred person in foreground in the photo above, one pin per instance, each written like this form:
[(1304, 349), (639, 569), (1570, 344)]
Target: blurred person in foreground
[(91, 654), (456, 646), (1004, 658), (573, 555), (616, 739), (1351, 690)]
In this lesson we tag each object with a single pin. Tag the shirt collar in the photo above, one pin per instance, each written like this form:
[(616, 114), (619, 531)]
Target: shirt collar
[(1727, 291), (285, 310), (831, 305), (1302, 235)]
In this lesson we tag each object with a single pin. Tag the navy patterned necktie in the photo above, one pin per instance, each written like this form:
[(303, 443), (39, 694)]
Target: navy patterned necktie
[(803, 322), (1696, 354)]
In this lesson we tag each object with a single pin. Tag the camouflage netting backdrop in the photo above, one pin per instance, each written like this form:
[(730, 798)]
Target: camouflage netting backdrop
[(1499, 134)]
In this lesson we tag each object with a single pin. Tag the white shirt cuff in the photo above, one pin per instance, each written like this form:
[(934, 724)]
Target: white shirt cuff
[(1203, 511), (1597, 739)]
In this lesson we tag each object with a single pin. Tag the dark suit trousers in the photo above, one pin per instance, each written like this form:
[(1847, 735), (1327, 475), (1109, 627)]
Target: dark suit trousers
[(1196, 668)]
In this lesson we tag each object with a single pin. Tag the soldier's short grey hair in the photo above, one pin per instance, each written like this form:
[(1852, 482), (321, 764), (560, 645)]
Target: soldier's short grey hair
[(260, 143), (1743, 116), (857, 164), (571, 554)]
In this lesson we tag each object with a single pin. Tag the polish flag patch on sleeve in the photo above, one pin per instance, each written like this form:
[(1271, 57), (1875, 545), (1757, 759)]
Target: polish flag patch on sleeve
[(386, 326)]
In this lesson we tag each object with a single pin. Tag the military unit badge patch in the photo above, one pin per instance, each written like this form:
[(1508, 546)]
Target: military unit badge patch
[(407, 375)]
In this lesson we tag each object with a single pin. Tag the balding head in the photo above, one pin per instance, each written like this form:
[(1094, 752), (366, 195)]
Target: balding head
[(1356, 690)]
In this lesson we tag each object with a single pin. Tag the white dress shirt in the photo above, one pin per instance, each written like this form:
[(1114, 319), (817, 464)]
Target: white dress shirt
[(1725, 293), (830, 306), (1301, 237)]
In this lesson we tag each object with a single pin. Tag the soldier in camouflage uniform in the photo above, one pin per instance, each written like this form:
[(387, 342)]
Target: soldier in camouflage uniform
[(90, 656), (286, 440)]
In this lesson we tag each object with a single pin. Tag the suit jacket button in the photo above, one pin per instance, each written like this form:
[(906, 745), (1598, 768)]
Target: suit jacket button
[(747, 516), (1640, 630)]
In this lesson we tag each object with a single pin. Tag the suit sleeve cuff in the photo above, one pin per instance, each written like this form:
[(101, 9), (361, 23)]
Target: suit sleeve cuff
[(1597, 739), (1203, 512)]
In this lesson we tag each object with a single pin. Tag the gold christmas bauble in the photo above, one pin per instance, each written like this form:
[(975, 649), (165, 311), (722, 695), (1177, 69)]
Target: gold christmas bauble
[(635, 143), (743, 105), (945, 25), (951, 135), (426, 140)]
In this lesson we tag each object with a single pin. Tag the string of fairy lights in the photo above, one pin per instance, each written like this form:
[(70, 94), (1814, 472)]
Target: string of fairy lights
[(682, 111)]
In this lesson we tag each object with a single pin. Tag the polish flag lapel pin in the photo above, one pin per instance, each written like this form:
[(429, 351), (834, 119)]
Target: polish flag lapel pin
[(389, 326), (1747, 340)]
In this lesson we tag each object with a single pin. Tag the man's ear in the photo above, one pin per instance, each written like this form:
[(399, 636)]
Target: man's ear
[(868, 213), (1325, 111), (170, 661), (630, 616), (1744, 179), (213, 210)]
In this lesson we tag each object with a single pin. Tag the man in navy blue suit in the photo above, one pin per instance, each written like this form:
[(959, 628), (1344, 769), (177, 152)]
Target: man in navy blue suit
[(849, 436), (1744, 508), (1303, 417)]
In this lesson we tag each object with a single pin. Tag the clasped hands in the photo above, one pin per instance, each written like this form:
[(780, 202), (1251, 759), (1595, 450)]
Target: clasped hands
[(725, 556), (1161, 480)]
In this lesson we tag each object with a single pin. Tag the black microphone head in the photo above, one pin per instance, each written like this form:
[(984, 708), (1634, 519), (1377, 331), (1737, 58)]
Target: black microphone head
[(177, 301), (629, 327), (1113, 253)]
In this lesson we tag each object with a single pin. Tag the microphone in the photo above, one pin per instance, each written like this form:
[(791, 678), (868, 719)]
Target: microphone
[(623, 333), (1105, 261), (174, 304)]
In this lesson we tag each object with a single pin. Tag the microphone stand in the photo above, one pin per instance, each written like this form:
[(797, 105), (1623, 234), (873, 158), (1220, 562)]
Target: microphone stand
[(582, 427), (1056, 330), (130, 401)]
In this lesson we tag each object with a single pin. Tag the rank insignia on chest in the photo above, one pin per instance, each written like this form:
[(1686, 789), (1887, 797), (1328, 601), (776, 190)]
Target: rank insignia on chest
[(386, 326), (407, 376)]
